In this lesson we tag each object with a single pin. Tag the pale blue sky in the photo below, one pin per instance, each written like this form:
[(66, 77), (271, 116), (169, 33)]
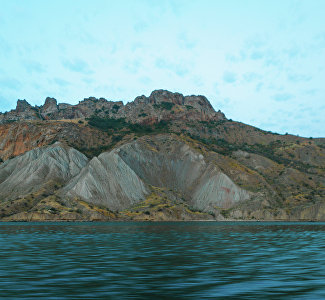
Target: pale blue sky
[(260, 62)]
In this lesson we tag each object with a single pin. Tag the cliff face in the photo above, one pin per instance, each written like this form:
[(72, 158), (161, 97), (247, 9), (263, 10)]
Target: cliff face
[(162, 157)]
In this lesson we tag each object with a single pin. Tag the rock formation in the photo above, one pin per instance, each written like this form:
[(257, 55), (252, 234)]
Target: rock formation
[(122, 177), (27, 173), (49, 109), (161, 157), (159, 105)]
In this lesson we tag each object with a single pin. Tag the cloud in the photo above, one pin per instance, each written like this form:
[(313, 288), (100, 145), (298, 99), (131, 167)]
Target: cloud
[(33, 66), (272, 59), (10, 83), (251, 76), (224, 104), (161, 63), (310, 92), (61, 82), (299, 77), (229, 77), (255, 42), (140, 27), (88, 80), (186, 42), (145, 80), (256, 55), (5, 47), (319, 40), (197, 81), (282, 97), (77, 65), (292, 52), (137, 46), (241, 57), (132, 66), (178, 68), (259, 86), (6, 105)]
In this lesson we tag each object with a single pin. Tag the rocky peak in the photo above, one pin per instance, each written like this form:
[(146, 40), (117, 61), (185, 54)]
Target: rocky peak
[(22, 106), (50, 102), (140, 100), (90, 99), (50, 106), (159, 96), (198, 101)]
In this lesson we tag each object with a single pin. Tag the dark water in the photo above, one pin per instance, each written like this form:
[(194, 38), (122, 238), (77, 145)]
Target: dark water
[(162, 260)]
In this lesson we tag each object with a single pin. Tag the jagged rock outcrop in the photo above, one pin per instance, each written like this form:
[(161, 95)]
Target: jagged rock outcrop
[(22, 106), (160, 105), (23, 111), (50, 108)]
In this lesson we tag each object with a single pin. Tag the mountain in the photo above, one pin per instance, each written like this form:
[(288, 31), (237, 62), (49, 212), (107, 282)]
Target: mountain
[(162, 157)]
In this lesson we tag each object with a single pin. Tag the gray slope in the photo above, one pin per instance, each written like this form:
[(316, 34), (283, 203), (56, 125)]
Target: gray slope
[(120, 178), (164, 161), (29, 172), (108, 181)]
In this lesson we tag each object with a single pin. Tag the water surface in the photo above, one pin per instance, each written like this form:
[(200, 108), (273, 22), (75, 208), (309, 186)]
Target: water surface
[(171, 260)]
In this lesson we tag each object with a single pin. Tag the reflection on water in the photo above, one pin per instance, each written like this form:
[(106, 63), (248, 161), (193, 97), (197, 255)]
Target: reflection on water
[(245, 260)]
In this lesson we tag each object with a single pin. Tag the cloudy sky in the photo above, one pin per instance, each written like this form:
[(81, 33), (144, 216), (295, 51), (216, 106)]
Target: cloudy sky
[(260, 62)]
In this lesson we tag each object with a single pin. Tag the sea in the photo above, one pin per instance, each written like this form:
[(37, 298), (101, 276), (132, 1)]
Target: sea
[(162, 260)]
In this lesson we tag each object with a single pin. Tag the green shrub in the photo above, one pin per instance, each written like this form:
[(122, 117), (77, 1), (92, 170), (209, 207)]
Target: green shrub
[(107, 123), (225, 213), (116, 138), (115, 108), (165, 105)]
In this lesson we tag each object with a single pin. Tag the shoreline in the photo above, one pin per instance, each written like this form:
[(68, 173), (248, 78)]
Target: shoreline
[(160, 221)]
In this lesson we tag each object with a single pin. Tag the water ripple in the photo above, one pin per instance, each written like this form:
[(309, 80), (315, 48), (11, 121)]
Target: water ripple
[(174, 260)]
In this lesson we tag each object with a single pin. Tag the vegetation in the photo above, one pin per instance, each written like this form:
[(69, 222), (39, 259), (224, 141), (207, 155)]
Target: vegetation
[(107, 123), (164, 105), (267, 150), (117, 129), (115, 108), (225, 213)]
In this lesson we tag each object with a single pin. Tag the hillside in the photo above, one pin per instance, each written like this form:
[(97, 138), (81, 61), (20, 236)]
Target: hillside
[(162, 157)]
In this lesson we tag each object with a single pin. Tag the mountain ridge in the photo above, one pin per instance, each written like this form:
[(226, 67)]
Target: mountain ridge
[(162, 157), (134, 111)]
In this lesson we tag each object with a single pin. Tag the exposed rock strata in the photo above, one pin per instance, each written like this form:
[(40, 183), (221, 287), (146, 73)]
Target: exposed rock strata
[(122, 177), (108, 181), (28, 173)]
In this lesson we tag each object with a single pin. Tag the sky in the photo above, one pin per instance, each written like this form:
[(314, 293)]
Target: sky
[(259, 62)]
